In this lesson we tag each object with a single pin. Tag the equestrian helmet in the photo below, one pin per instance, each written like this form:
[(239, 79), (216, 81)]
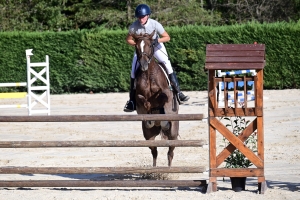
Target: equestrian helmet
[(142, 10)]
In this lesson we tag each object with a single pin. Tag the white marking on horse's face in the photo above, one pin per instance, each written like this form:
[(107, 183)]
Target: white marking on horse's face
[(142, 46), (143, 61)]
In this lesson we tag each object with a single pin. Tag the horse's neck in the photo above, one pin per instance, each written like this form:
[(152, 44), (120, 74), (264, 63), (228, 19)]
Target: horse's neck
[(153, 74), (154, 70)]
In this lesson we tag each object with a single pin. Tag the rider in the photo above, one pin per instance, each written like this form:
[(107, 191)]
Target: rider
[(144, 24)]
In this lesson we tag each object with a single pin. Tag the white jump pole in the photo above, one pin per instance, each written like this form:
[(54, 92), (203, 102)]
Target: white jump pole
[(13, 84), (10, 95)]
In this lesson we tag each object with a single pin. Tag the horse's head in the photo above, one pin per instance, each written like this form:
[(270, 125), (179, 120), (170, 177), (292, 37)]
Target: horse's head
[(144, 49)]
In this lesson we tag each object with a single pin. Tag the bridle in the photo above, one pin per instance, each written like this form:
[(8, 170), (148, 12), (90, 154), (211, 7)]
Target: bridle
[(143, 53)]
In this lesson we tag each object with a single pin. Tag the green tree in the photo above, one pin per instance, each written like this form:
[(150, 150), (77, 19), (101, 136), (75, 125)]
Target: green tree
[(241, 11), (64, 15)]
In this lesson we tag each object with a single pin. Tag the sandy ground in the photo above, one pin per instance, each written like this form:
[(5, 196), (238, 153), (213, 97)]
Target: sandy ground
[(282, 160)]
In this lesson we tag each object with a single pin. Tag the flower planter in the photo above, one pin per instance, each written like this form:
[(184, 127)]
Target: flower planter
[(238, 183)]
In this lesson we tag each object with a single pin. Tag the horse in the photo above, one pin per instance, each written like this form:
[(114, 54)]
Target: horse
[(154, 95)]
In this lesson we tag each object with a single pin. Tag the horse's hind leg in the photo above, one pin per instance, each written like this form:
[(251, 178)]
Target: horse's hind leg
[(154, 155), (170, 155), (150, 134), (172, 134)]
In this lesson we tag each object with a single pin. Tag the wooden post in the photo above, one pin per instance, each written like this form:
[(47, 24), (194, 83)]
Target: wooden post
[(235, 57)]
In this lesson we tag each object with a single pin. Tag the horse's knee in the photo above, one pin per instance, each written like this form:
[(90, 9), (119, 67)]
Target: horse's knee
[(143, 100)]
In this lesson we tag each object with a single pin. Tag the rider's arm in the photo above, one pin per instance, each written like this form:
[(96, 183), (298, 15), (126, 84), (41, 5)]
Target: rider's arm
[(130, 40), (164, 37)]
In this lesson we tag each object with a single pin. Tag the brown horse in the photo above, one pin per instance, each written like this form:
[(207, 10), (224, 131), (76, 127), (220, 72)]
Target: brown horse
[(154, 95)]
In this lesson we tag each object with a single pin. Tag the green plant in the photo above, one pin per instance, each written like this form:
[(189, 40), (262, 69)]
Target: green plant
[(237, 159)]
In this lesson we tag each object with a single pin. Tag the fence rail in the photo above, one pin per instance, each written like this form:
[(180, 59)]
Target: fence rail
[(95, 183), (98, 170), (102, 143), (103, 118)]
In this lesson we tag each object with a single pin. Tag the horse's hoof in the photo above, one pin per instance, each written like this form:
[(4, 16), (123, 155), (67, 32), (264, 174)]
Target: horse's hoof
[(149, 124), (165, 125), (157, 123)]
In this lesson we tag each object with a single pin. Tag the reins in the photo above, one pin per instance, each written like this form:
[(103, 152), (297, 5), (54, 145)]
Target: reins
[(150, 59)]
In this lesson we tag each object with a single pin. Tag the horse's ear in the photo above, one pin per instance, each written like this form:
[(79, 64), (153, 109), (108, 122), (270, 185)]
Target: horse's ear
[(151, 35)]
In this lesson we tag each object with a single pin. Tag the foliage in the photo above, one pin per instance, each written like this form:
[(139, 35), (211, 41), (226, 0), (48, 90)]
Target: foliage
[(99, 60), (241, 11), (237, 159), (168, 14), (65, 15)]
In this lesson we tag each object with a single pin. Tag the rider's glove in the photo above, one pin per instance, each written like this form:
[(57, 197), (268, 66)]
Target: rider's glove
[(155, 41)]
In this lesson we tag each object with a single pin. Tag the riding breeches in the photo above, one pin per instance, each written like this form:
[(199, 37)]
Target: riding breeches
[(161, 55)]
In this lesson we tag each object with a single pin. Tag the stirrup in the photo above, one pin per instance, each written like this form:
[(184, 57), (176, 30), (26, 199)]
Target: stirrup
[(129, 107)]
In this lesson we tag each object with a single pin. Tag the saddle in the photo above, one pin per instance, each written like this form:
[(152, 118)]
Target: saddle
[(164, 68)]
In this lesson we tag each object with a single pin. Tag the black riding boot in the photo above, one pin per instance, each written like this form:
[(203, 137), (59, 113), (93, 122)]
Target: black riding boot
[(130, 105), (174, 82)]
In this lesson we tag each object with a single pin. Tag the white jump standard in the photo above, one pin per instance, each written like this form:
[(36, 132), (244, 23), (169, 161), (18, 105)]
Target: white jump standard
[(32, 98)]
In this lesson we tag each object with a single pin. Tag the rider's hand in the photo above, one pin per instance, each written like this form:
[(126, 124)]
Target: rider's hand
[(155, 41)]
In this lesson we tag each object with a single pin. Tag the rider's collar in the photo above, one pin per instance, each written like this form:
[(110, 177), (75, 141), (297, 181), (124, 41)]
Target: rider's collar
[(146, 24)]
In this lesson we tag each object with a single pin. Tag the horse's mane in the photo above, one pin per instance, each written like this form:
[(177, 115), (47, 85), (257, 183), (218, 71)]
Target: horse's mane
[(142, 35)]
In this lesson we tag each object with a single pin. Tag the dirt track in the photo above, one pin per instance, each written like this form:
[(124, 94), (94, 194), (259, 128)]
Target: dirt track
[(282, 171)]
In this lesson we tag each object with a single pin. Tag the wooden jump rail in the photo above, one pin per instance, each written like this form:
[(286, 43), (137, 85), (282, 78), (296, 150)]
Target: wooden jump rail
[(101, 118), (98, 143), (97, 170), (235, 57), (102, 143), (94, 183)]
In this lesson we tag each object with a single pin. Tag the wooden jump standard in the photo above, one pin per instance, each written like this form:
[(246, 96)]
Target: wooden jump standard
[(235, 57), (97, 143)]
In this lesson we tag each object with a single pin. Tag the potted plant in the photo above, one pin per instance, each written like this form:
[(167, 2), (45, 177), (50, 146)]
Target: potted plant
[(237, 159)]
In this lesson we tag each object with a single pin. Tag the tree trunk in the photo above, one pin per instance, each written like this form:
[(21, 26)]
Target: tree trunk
[(129, 10)]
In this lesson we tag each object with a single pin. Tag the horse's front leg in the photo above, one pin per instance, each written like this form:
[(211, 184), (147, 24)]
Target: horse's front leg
[(144, 102)]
